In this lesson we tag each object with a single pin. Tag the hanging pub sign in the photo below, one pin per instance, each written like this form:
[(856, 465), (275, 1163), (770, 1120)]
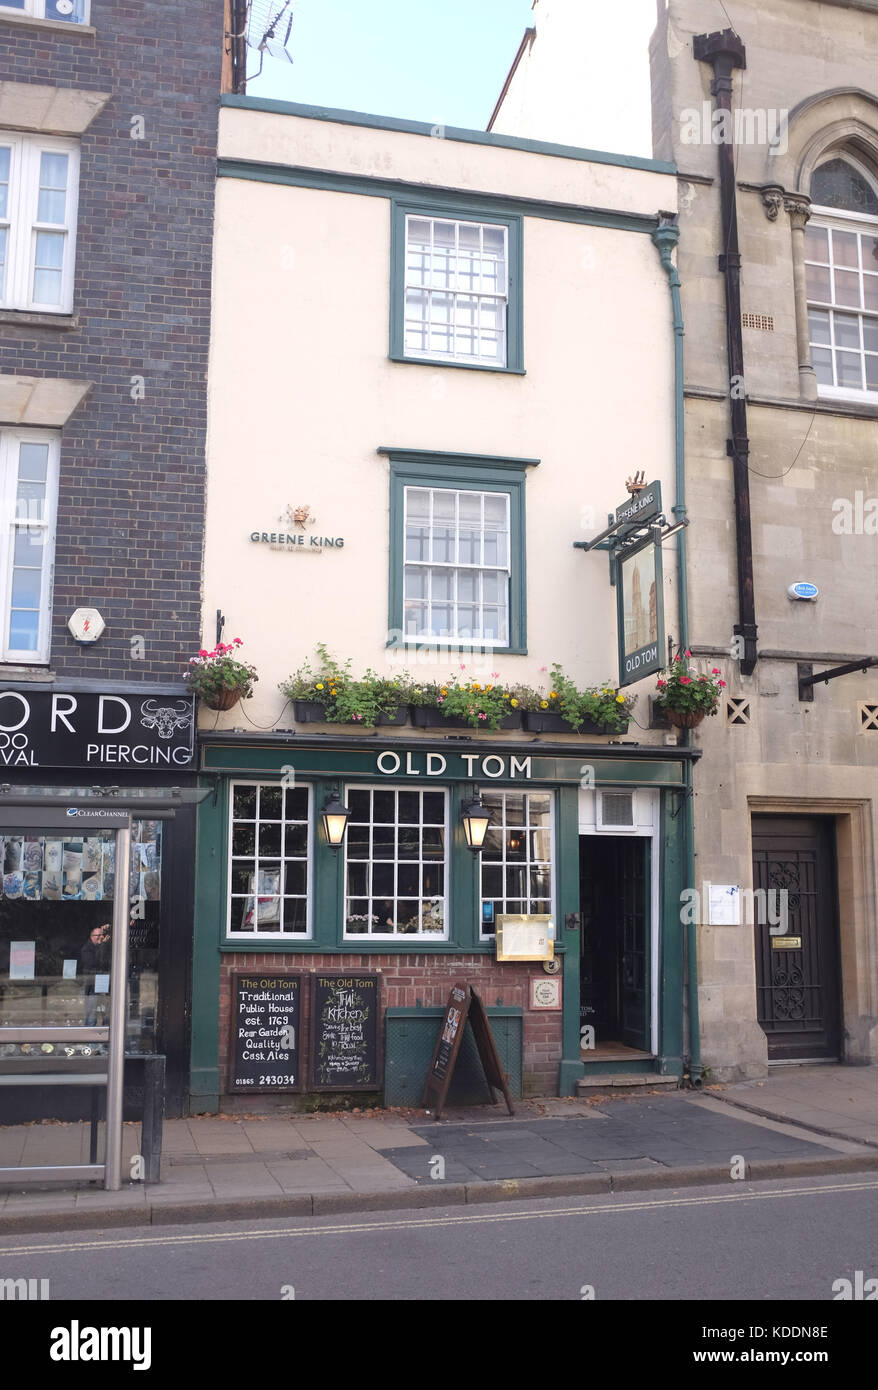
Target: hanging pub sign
[(639, 596), (41, 728)]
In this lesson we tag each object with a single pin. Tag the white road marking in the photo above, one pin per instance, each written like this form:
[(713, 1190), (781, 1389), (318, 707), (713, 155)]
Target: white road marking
[(427, 1222)]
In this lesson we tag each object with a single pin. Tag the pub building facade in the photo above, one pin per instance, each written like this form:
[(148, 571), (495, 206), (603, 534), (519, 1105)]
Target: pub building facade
[(456, 348), (104, 305)]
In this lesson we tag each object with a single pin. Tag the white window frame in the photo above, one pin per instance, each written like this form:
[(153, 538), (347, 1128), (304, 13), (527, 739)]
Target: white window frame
[(10, 443), (836, 219), (36, 9), (403, 937), (256, 936), (499, 297), (24, 178), (454, 638), (526, 863)]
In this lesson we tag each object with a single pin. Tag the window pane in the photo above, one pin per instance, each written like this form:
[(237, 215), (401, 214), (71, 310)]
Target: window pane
[(52, 201), (416, 309), (26, 587), (270, 803), (847, 287), (5, 165), (821, 361), (48, 261), (870, 291), (24, 631), (847, 330), (818, 325), (244, 803), (296, 803), (872, 373), (837, 184), (870, 335), (441, 313), (848, 369), (816, 244), (817, 280), (844, 248)]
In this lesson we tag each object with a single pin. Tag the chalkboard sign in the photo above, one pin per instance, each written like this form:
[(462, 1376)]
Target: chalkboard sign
[(265, 1032), (345, 1037)]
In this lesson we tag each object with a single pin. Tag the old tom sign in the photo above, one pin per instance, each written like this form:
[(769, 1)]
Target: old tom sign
[(84, 729)]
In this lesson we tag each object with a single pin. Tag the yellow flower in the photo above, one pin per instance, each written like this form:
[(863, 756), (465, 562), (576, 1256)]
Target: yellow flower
[(488, 687), (320, 685), (620, 699), (606, 692), (475, 687), (553, 695), (444, 690), (544, 704), (514, 704), (506, 697)]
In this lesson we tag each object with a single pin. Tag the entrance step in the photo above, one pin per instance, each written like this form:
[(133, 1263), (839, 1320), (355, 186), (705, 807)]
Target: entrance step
[(593, 1083)]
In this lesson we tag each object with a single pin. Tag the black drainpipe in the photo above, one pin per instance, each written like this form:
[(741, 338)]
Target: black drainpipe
[(725, 52)]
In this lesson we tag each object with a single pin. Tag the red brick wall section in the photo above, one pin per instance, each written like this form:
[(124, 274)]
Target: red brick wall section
[(407, 981)]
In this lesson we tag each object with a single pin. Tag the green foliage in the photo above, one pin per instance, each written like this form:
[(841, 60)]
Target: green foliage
[(684, 691), (212, 673)]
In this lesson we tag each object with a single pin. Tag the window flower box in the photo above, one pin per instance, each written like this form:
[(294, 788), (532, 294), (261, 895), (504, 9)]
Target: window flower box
[(309, 711), (536, 722), (396, 716), (431, 717)]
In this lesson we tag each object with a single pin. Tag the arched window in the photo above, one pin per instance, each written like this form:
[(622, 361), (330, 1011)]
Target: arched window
[(841, 266)]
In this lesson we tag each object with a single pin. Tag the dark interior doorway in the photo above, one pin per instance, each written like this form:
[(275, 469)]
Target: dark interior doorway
[(614, 966), (797, 971)]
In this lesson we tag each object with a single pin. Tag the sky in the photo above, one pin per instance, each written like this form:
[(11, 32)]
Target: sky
[(439, 61)]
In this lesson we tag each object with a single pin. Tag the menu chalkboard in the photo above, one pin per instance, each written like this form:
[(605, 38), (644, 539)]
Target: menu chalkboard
[(344, 1032), (265, 1033)]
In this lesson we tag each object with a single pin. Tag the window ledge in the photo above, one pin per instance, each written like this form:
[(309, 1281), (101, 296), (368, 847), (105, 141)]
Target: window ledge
[(26, 318), (59, 26), (461, 366), (9, 672)]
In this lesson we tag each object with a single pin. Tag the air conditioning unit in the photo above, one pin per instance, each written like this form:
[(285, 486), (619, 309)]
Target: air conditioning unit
[(614, 812)]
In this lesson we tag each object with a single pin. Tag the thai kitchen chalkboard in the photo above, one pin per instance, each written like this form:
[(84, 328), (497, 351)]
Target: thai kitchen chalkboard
[(265, 1050), (344, 1033)]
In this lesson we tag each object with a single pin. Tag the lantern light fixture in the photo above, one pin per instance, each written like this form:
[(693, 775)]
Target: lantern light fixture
[(475, 819), (335, 817)]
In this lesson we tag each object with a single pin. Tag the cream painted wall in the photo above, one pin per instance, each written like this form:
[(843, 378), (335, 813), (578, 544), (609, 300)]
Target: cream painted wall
[(302, 393)]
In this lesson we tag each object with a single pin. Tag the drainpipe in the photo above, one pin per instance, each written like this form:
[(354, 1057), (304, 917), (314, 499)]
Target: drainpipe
[(725, 52), (665, 237)]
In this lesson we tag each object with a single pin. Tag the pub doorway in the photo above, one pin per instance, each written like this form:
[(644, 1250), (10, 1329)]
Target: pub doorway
[(614, 970)]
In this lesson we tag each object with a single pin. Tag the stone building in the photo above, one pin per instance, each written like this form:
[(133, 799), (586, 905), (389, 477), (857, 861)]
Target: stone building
[(774, 133)]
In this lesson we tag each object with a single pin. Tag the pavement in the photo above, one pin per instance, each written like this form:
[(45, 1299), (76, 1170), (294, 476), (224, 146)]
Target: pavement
[(799, 1121)]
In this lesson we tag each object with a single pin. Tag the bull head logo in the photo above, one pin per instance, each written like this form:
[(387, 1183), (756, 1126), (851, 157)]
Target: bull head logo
[(164, 719)]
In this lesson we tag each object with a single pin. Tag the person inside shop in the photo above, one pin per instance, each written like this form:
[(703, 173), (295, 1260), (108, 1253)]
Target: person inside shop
[(94, 960)]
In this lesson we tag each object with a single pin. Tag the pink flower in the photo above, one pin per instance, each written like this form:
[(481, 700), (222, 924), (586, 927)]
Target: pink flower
[(685, 680), (715, 671), (661, 684), (238, 642), (688, 653), (495, 675), (678, 657), (203, 652), (721, 683)]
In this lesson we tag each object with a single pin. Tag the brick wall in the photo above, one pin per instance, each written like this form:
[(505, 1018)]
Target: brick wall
[(131, 505), (417, 979)]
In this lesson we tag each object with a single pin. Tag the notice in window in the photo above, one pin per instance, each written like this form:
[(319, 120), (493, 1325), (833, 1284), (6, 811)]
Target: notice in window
[(22, 958)]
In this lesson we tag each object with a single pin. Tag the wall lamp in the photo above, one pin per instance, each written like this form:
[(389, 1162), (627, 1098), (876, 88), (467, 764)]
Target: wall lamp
[(475, 819), (335, 819)]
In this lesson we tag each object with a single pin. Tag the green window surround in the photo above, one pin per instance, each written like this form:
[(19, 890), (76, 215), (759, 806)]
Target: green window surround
[(459, 473), (407, 216)]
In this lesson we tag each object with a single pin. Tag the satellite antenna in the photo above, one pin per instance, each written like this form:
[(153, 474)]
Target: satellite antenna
[(268, 28)]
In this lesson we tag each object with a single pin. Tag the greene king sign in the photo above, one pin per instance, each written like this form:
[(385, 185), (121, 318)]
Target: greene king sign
[(66, 729)]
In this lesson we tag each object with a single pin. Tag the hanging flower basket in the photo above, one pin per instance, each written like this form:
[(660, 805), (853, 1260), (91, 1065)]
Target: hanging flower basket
[(685, 719), (221, 699)]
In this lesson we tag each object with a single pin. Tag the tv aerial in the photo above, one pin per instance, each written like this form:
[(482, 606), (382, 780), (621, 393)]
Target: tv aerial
[(268, 28)]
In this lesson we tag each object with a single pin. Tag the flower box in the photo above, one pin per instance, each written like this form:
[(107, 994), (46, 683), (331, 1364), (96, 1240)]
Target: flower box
[(309, 711), (539, 723), (513, 720), (399, 716), (431, 717)]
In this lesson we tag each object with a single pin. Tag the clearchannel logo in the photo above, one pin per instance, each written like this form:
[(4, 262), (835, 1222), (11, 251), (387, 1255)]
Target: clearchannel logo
[(95, 813)]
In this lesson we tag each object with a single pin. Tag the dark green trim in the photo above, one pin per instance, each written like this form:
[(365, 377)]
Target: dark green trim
[(485, 204), (210, 884), (400, 208), (568, 942), (352, 756), (456, 133), (441, 456), (418, 470), (671, 944)]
